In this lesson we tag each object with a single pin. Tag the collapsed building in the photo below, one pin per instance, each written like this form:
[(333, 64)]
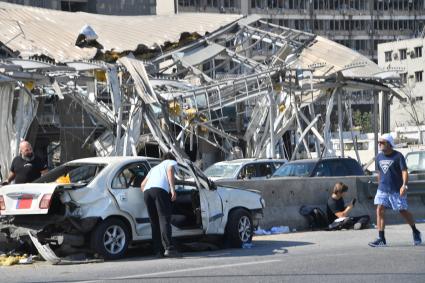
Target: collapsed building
[(206, 86)]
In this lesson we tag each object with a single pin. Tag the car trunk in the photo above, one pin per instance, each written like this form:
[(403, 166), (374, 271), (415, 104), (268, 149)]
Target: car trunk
[(26, 199)]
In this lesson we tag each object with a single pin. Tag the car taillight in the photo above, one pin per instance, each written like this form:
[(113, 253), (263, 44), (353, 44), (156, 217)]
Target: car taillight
[(45, 201), (2, 204)]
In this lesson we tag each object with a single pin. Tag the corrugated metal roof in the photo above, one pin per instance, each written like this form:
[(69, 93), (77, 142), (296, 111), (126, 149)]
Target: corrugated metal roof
[(200, 55), (337, 57), (53, 33)]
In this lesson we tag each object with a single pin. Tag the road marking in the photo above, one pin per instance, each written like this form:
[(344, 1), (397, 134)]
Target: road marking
[(184, 270)]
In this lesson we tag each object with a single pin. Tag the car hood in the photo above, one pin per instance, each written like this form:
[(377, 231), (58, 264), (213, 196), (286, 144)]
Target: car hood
[(220, 178), (250, 199)]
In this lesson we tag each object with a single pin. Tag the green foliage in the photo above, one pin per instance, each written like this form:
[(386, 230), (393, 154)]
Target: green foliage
[(363, 120)]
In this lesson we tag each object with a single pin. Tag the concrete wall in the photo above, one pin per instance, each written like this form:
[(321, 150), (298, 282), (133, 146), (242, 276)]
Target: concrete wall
[(284, 196)]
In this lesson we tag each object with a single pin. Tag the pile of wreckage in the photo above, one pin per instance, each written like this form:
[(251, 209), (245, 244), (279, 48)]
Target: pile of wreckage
[(244, 84), (78, 85)]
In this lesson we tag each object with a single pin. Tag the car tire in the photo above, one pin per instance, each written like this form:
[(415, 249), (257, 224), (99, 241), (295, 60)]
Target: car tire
[(110, 238), (239, 228)]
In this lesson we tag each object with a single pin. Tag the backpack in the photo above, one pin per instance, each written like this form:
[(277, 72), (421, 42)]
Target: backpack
[(316, 217)]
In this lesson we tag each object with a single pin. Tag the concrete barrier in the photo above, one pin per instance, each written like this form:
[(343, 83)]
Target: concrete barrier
[(284, 196)]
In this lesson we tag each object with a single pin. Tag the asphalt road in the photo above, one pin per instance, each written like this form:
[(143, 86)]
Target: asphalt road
[(340, 256)]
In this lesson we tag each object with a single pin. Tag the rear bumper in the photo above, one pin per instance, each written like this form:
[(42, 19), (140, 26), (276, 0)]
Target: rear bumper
[(45, 226)]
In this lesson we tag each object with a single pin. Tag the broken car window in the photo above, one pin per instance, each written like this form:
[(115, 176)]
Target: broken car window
[(72, 173)]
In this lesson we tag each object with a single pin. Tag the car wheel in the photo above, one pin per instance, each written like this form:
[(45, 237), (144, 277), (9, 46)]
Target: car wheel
[(110, 238), (239, 229)]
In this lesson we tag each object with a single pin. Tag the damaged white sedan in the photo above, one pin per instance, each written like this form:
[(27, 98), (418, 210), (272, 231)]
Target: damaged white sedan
[(96, 205)]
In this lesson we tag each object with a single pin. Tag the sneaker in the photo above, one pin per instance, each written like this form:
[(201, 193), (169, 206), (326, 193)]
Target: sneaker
[(172, 253), (417, 238), (358, 226), (378, 243)]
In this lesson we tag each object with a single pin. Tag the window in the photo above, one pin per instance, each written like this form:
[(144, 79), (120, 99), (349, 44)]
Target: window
[(403, 77), (81, 173), (418, 76), (419, 98), (322, 170), (131, 176), (418, 51), (248, 172), (388, 56), (264, 169), (403, 54)]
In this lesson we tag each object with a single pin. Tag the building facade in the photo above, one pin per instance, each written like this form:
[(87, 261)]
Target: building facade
[(358, 24), (107, 7), (408, 59)]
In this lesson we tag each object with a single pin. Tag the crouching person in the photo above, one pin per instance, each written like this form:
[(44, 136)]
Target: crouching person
[(338, 212)]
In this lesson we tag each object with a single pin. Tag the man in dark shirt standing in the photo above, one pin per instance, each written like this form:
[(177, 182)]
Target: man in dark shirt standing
[(26, 167), (338, 213), (392, 189)]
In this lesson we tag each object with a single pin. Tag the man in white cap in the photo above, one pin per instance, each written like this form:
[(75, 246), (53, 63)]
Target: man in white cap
[(392, 189)]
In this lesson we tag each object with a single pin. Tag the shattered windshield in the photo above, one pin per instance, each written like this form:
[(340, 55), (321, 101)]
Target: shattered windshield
[(222, 170), (72, 173)]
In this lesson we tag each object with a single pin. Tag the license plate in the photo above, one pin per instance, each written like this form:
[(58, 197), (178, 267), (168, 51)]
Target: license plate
[(24, 202)]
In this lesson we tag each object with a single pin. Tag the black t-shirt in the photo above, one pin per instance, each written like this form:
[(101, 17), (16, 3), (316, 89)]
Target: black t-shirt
[(27, 171), (334, 205)]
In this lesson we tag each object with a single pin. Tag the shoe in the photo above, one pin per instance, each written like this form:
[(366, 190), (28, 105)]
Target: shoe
[(417, 238), (358, 226), (378, 243), (172, 253)]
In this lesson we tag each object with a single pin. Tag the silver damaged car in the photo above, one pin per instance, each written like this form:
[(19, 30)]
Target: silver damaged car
[(95, 204)]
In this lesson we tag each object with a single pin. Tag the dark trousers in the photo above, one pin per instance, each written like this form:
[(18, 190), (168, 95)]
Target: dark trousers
[(349, 222), (158, 203)]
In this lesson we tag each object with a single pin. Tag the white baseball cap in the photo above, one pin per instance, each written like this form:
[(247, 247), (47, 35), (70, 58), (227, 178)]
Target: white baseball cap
[(388, 138)]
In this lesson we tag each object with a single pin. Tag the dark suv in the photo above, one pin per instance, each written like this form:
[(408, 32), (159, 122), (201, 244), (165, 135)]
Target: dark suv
[(320, 168)]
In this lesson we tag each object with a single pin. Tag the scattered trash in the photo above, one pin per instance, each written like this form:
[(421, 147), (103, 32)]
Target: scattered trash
[(247, 245), (280, 251), (260, 231), (274, 230), (28, 260), (8, 260), (280, 230)]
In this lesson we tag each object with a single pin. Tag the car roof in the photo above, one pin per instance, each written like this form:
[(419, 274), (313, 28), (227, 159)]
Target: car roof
[(250, 160), (113, 159), (314, 160)]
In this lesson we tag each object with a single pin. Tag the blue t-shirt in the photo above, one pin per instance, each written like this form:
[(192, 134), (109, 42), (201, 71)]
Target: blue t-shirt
[(157, 177), (390, 167)]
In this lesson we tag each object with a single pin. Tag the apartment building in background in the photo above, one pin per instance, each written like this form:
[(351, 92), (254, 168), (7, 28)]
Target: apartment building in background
[(358, 24), (408, 59), (108, 7)]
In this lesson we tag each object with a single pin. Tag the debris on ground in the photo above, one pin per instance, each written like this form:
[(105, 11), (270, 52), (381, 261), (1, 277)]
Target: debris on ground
[(247, 245), (8, 260), (273, 230)]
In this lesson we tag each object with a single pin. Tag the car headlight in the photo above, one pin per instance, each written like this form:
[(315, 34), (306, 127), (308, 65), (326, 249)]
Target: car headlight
[(263, 202)]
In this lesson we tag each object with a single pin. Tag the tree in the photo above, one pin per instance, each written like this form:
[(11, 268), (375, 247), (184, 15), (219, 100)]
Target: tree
[(363, 120)]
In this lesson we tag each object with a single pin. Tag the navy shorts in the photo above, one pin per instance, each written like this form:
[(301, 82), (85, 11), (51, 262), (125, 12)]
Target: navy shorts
[(391, 200)]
